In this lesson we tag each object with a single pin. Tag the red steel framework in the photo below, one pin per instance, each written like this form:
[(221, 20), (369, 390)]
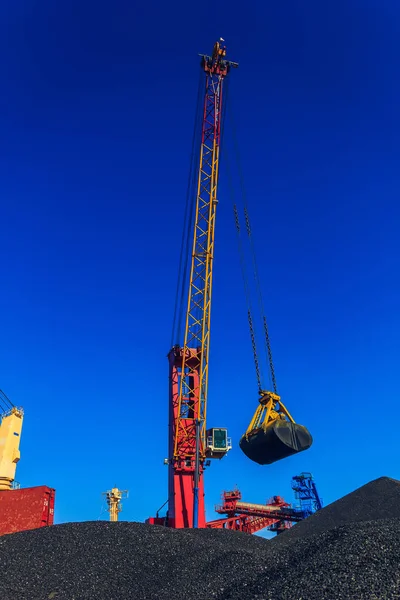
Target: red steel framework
[(276, 515), (188, 364)]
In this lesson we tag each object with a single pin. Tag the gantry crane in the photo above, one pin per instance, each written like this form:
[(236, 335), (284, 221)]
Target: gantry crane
[(11, 419), (272, 433)]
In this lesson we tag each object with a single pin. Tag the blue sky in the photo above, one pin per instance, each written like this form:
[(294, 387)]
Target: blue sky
[(96, 117)]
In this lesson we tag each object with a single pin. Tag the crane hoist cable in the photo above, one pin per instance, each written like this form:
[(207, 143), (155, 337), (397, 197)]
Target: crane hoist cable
[(5, 403), (267, 341), (272, 433), (243, 263), (246, 285), (181, 285), (264, 318), (244, 276)]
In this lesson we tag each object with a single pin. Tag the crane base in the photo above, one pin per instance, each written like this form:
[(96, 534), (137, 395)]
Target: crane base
[(278, 440)]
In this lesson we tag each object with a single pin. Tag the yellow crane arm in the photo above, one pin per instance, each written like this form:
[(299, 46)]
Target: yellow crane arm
[(10, 437)]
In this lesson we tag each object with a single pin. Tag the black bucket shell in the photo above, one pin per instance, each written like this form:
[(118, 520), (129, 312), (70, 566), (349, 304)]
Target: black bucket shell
[(278, 440)]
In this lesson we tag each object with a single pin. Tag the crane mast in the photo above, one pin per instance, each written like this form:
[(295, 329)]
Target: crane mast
[(190, 444), (11, 419), (114, 498)]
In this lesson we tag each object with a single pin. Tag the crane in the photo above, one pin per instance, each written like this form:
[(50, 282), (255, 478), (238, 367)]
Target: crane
[(272, 433), (191, 445), (21, 508), (114, 497), (11, 419)]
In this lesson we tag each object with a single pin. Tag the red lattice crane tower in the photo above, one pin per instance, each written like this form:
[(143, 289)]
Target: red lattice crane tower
[(190, 443)]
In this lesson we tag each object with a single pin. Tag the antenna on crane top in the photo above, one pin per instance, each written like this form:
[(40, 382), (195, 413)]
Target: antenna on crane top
[(113, 498)]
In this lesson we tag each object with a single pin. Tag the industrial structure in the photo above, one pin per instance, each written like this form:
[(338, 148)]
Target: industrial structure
[(20, 508), (250, 518), (11, 419), (272, 434), (190, 444), (306, 493), (276, 515), (114, 502)]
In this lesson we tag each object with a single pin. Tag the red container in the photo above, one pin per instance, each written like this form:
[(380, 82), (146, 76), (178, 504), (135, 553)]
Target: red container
[(155, 521), (27, 508)]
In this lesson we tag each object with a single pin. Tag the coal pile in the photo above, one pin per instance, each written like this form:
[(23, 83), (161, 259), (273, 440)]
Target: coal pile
[(350, 553), (379, 499)]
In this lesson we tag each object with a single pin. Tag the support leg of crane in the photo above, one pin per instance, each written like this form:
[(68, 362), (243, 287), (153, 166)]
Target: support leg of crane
[(196, 478)]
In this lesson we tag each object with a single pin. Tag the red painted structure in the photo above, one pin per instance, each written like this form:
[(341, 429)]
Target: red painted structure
[(27, 508), (189, 447), (276, 515), (183, 434)]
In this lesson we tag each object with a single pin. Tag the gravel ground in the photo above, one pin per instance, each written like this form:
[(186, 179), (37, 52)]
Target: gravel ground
[(357, 559)]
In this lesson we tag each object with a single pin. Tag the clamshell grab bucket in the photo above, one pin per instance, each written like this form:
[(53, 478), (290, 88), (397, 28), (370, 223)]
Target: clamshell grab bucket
[(272, 433), (278, 440)]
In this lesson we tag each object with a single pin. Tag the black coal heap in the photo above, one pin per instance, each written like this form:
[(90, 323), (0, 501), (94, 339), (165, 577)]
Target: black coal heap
[(350, 549)]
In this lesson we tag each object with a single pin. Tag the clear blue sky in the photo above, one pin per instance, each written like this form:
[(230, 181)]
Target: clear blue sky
[(96, 122)]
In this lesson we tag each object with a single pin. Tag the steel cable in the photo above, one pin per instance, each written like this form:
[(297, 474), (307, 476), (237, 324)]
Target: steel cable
[(244, 276), (186, 231), (267, 341)]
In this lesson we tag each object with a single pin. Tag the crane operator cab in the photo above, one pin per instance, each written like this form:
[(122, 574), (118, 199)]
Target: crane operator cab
[(218, 442), (273, 434)]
